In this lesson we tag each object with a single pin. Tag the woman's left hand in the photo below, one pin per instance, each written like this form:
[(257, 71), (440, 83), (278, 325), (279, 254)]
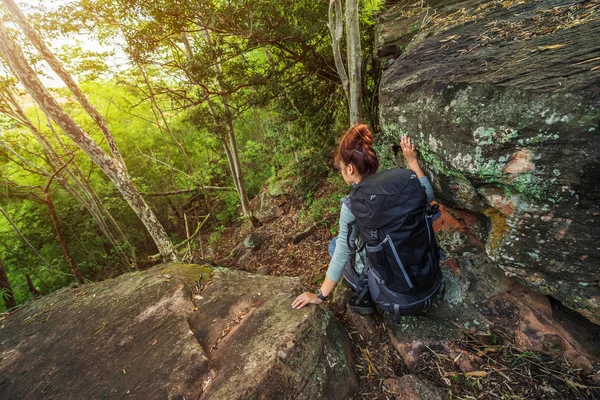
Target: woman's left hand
[(306, 298)]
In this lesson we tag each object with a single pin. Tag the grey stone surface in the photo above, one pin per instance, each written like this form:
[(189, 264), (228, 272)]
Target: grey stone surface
[(156, 334), (504, 107)]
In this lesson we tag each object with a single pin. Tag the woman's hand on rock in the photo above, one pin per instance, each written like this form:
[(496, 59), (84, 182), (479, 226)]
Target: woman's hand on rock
[(408, 149), (306, 298)]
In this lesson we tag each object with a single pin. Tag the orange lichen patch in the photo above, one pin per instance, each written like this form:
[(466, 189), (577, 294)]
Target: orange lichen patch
[(520, 162), (452, 265), (563, 230), (498, 232), (548, 218), (448, 223)]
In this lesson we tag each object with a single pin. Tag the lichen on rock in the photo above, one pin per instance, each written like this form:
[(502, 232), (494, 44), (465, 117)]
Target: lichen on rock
[(504, 113)]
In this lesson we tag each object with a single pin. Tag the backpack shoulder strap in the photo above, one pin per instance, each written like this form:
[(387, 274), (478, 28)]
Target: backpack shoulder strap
[(346, 201)]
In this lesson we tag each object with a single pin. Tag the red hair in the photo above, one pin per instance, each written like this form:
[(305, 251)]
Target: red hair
[(356, 147)]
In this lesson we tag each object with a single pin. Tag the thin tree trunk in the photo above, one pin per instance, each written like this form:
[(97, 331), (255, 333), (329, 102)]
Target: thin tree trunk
[(59, 235), (354, 61), (61, 239), (236, 166), (7, 292), (226, 147), (156, 109), (31, 287), (337, 29), (96, 202), (114, 169), (55, 162), (18, 231), (65, 77)]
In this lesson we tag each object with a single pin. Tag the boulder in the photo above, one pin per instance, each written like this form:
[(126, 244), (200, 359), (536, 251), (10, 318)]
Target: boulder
[(175, 331), (265, 207), (503, 102), (479, 296), (253, 241)]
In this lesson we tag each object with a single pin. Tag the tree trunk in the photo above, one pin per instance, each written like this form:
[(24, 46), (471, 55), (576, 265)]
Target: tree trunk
[(16, 229), (337, 29), (233, 157), (354, 61), (87, 189), (31, 287), (5, 288), (157, 110), (238, 176), (65, 77), (54, 160), (61, 239), (113, 168)]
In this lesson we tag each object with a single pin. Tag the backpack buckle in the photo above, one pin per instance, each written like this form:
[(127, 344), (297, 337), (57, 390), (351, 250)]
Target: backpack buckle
[(373, 234)]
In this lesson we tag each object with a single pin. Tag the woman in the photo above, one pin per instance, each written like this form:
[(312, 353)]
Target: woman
[(357, 160)]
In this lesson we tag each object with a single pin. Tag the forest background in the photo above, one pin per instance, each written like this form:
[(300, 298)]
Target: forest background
[(197, 86)]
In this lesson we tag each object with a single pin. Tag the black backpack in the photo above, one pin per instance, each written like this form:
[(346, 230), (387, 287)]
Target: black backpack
[(394, 221)]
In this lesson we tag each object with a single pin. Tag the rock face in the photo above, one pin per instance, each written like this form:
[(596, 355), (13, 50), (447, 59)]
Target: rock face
[(163, 333), (479, 296), (503, 101)]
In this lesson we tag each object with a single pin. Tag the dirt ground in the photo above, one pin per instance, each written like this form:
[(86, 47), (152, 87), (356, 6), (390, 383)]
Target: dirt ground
[(519, 374)]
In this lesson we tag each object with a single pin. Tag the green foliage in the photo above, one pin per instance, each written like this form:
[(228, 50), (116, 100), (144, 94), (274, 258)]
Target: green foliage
[(216, 235), (369, 11), (230, 203), (275, 86), (325, 208)]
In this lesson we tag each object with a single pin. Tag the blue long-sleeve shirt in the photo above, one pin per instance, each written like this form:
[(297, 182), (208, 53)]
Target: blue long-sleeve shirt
[(342, 252)]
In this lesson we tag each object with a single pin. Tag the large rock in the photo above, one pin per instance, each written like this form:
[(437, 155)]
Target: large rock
[(503, 100), (479, 297), (265, 207), (163, 333)]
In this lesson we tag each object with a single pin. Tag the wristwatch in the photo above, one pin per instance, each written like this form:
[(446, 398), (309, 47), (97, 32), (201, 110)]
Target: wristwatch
[(320, 295)]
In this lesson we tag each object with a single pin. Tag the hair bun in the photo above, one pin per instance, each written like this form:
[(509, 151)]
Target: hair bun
[(364, 134), (356, 147)]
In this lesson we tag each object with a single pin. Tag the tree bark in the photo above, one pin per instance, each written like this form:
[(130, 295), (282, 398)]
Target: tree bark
[(7, 292), (61, 239), (232, 155), (31, 287), (157, 110), (354, 61), (337, 29), (65, 77), (113, 168)]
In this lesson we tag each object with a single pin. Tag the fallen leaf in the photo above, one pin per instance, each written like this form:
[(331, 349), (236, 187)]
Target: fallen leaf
[(551, 47), (476, 373), (453, 37)]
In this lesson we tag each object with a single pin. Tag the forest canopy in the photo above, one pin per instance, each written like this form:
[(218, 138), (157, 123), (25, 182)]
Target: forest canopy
[(169, 118)]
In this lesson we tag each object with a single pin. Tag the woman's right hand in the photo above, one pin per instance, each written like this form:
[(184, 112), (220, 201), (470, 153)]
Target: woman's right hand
[(408, 149)]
